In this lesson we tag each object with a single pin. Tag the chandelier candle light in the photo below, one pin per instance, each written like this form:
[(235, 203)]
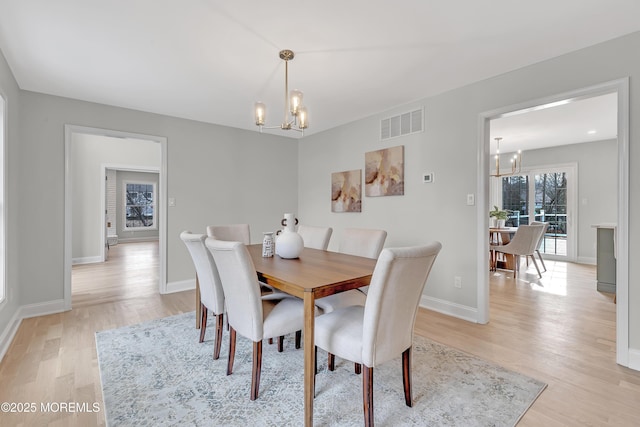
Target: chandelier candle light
[(295, 115), (516, 162)]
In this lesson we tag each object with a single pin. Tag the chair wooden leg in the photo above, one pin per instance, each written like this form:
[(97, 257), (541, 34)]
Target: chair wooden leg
[(406, 376), (357, 368), (367, 396), (198, 304), (298, 339), (232, 350), (255, 371), (203, 322), (331, 362), (280, 343), (219, 329), (270, 340), (541, 260)]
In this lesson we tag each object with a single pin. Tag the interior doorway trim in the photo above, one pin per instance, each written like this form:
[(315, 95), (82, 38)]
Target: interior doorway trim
[(103, 196), (69, 130), (621, 87)]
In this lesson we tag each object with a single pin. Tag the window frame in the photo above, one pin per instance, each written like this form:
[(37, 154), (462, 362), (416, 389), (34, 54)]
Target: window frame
[(154, 205)]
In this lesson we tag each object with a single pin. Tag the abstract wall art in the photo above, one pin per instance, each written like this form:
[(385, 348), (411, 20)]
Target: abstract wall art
[(384, 172), (346, 191)]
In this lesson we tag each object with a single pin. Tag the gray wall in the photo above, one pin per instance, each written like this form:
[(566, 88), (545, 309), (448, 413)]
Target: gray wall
[(135, 235), (216, 174), (448, 147)]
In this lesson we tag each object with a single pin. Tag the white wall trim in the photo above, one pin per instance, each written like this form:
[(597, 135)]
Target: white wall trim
[(69, 130), (6, 338), (182, 285), (586, 260), (87, 260), (621, 87), (103, 196), (42, 309), (449, 308), (137, 239), (25, 312), (634, 359)]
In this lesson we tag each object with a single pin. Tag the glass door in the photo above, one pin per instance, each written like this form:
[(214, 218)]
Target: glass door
[(551, 205), (546, 195)]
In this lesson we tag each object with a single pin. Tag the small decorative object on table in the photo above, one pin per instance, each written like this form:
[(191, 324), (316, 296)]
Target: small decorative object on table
[(289, 244), (267, 244)]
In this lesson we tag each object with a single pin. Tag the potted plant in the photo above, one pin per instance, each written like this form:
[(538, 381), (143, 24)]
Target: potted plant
[(500, 216)]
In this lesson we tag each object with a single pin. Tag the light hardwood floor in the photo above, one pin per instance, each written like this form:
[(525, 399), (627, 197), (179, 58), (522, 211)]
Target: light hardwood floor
[(558, 330)]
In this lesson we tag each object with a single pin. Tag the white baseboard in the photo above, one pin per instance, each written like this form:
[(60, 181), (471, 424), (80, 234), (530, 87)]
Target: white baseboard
[(41, 309), (86, 260), (634, 359), (137, 239), (460, 311), (25, 312), (586, 260), (183, 285), (9, 333)]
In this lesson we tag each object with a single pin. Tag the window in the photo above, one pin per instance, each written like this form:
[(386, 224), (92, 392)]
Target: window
[(140, 206)]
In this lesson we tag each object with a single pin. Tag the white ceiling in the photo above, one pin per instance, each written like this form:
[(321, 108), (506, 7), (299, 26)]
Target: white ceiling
[(211, 60), (584, 120)]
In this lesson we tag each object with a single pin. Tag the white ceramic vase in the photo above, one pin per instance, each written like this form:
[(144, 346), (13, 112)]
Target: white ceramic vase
[(289, 244)]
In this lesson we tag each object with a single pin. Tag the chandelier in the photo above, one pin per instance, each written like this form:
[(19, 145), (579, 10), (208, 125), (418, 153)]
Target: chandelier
[(295, 115), (516, 162)]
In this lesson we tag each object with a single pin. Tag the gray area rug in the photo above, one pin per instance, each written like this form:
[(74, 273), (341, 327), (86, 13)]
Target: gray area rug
[(157, 374)]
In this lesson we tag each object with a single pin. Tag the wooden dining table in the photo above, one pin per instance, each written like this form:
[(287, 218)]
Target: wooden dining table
[(315, 274), (502, 236)]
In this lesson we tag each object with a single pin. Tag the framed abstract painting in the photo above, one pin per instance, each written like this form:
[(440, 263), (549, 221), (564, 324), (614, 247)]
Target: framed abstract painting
[(384, 172), (346, 191)]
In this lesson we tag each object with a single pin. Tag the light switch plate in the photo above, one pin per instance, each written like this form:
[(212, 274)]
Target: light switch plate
[(427, 178), (471, 199)]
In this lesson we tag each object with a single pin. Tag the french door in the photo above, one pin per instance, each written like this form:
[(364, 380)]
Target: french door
[(543, 194)]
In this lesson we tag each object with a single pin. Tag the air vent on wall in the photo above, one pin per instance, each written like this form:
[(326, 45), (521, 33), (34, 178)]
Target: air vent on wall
[(402, 124)]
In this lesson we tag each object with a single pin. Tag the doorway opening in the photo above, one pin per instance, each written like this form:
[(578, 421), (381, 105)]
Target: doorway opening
[(620, 190), (87, 245)]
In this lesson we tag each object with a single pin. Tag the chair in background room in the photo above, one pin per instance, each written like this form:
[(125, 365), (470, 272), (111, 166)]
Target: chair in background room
[(315, 237), (247, 312), (540, 240), (524, 243), (208, 285), (383, 328), (230, 233)]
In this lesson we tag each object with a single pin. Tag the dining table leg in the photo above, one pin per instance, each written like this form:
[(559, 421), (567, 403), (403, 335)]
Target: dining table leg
[(309, 353)]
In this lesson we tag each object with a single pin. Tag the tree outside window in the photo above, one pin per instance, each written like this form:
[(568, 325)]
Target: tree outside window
[(140, 206)]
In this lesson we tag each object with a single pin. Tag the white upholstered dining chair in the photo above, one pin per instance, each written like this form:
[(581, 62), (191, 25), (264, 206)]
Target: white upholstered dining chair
[(210, 287), (315, 237), (359, 242), (540, 240), (248, 313), (383, 328), (231, 233), (524, 243)]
